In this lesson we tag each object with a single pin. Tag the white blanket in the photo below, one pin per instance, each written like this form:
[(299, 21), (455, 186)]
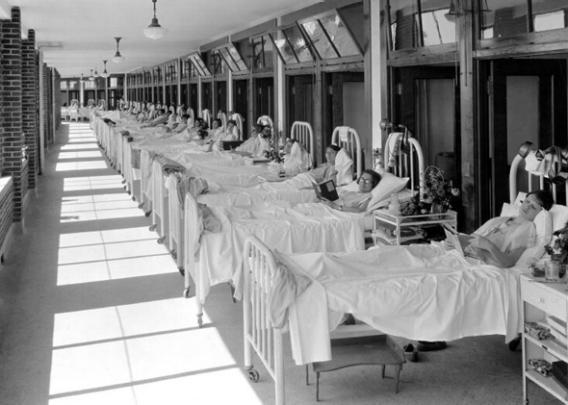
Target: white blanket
[(304, 228), (420, 292)]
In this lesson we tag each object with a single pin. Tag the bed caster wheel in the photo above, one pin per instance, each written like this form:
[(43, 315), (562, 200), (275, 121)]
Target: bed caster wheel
[(200, 320), (253, 375), (161, 240), (133, 198), (147, 214), (152, 227), (181, 271), (186, 292)]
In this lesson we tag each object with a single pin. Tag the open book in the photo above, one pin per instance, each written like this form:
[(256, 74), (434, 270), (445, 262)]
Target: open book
[(326, 190)]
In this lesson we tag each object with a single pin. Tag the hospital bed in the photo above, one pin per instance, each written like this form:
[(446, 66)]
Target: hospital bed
[(303, 133), (238, 118), (348, 139), (420, 292)]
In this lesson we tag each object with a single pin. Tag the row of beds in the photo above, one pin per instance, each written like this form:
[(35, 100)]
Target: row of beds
[(296, 264)]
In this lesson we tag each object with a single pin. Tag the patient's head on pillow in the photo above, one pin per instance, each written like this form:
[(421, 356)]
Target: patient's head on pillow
[(368, 180), (389, 185)]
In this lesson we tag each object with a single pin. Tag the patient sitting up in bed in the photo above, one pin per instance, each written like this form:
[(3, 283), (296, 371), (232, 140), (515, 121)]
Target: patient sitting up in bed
[(357, 201), (502, 240), (338, 167)]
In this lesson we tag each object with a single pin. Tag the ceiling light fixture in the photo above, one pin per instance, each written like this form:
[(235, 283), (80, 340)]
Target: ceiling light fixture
[(154, 30), (117, 58), (105, 73)]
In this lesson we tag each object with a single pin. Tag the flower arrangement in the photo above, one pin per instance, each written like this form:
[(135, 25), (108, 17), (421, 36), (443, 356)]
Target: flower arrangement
[(558, 246), (440, 195)]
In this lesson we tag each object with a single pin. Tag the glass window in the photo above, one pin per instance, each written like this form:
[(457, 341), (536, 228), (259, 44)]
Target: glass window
[(403, 24), (294, 44), (73, 85), (438, 26), (89, 84), (262, 49), (339, 35), (198, 64), (319, 39), (503, 18), (234, 53), (113, 82), (224, 52), (63, 85), (549, 15)]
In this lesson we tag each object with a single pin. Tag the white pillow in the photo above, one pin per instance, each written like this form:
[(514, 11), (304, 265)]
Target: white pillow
[(559, 215), (388, 185)]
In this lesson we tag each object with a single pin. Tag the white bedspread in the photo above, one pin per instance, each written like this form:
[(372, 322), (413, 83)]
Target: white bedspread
[(304, 228), (420, 292)]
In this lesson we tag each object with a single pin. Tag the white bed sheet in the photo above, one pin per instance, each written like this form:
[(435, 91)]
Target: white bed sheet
[(421, 292), (304, 228)]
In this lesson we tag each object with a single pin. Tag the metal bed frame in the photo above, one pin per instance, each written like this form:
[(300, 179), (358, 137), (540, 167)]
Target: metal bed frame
[(406, 163), (302, 132), (350, 143)]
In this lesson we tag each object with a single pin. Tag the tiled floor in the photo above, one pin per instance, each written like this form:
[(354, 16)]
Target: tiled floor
[(91, 313)]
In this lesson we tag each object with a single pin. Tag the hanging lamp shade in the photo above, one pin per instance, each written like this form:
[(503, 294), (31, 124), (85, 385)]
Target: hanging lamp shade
[(117, 58), (154, 30), (105, 73)]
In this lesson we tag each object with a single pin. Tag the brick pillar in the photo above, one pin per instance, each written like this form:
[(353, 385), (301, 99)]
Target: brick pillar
[(56, 97), (30, 109), (11, 102)]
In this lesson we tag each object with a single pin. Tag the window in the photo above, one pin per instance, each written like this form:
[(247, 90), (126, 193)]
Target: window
[(232, 58), (507, 18), (293, 46), (403, 24), (63, 85), (73, 85), (262, 49), (438, 26), (198, 65), (113, 82)]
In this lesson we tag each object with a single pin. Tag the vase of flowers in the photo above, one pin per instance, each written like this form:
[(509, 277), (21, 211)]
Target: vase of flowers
[(557, 249)]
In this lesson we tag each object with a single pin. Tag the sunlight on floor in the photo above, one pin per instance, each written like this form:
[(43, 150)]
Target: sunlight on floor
[(91, 165)]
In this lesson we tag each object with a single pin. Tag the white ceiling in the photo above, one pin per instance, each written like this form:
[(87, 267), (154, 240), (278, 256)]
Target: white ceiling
[(83, 31)]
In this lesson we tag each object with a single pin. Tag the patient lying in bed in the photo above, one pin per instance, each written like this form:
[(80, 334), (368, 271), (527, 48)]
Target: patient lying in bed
[(502, 240)]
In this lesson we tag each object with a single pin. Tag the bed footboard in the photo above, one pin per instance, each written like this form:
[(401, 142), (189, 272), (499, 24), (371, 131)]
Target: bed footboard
[(259, 335)]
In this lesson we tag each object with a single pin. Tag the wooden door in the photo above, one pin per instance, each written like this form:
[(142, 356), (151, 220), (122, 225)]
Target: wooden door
[(241, 103)]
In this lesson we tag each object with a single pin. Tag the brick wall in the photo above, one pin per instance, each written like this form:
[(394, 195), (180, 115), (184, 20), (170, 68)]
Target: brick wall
[(30, 106), (11, 104), (57, 99), (6, 208)]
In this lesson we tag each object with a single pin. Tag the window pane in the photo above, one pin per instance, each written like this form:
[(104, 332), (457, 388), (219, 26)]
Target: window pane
[(437, 26), (549, 20), (320, 41), (504, 18), (228, 59), (113, 82), (340, 36), (262, 53), (73, 85), (404, 29), (286, 49), (63, 85), (236, 56), (297, 41)]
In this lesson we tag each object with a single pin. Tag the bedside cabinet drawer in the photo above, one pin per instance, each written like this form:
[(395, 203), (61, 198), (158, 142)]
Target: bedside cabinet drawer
[(544, 299)]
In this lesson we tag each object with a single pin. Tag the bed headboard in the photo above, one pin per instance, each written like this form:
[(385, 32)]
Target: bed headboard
[(206, 115), (238, 118), (535, 181), (405, 163), (223, 117), (265, 120), (348, 139), (304, 134)]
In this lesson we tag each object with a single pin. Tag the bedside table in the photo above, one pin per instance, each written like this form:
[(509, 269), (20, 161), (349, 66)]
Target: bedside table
[(398, 229)]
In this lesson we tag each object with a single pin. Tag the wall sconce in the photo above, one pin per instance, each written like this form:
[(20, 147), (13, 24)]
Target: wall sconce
[(117, 58), (154, 30)]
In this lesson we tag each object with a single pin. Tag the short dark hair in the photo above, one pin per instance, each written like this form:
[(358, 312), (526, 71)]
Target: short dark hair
[(334, 147), (545, 198), (374, 175)]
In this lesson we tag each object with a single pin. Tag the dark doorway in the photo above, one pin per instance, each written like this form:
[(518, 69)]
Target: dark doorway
[(193, 100), (525, 101), (300, 99), (185, 94), (220, 97), (174, 94), (264, 97), (240, 102), (343, 105), (206, 97)]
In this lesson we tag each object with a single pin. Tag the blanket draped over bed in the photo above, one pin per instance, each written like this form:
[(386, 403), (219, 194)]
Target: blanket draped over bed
[(421, 292)]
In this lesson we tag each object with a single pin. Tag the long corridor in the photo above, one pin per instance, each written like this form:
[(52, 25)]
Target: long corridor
[(91, 313)]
